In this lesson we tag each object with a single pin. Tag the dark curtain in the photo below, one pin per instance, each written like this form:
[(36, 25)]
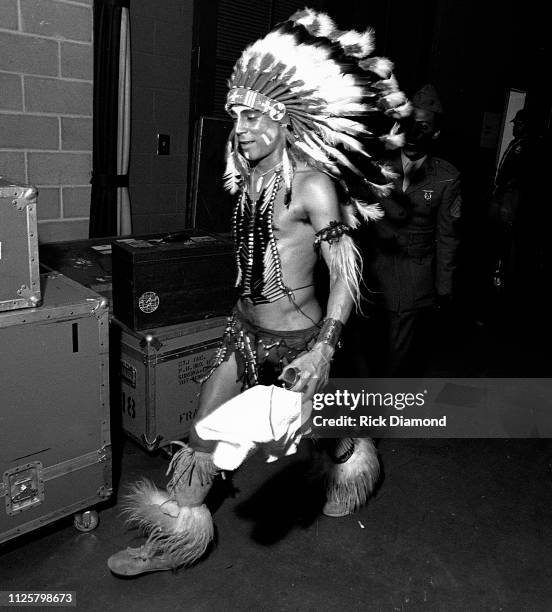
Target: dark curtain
[(107, 32)]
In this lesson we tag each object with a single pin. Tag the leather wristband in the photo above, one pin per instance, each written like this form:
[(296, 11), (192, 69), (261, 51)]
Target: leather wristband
[(330, 332)]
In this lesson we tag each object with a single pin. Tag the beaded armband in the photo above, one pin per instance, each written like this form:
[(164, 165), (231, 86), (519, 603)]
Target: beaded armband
[(330, 332), (331, 233)]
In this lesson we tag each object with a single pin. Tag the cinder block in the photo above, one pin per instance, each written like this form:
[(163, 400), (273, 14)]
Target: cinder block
[(170, 41), (48, 206), (29, 132), (76, 202), (151, 199), (140, 169), (159, 72), (56, 231), (58, 96), (77, 61), (28, 54), (11, 92), (169, 169), (8, 14), (76, 134), (144, 138), (169, 106), (141, 33), (140, 224), (12, 165), (56, 19), (59, 168), (169, 10), (142, 104)]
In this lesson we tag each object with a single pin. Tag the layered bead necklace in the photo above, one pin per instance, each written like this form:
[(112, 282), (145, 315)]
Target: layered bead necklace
[(258, 261)]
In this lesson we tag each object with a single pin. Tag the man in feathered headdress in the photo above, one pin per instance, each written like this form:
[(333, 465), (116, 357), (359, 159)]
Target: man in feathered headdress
[(309, 109)]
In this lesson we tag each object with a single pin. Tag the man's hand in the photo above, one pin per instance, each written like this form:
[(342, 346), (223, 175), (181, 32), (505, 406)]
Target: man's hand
[(313, 369)]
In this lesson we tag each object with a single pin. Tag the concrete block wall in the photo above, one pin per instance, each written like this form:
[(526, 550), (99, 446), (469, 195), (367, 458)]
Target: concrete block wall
[(161, 39), (46, 63)]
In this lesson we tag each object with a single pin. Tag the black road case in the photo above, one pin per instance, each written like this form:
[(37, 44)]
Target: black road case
[(55, 447)]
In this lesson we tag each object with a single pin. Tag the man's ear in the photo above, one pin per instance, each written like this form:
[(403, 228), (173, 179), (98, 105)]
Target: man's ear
[(436, 134)]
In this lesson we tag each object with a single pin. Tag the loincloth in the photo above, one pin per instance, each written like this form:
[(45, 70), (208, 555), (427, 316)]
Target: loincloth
[(261, 354)]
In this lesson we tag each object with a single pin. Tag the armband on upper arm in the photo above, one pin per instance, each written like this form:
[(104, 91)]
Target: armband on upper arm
[(344, 259), (331, 233)]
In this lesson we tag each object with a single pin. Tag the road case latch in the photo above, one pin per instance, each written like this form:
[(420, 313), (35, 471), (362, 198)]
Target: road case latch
[(23, 487)]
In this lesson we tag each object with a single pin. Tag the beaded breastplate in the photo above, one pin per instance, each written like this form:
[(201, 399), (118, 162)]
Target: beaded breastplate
[(259, 267)]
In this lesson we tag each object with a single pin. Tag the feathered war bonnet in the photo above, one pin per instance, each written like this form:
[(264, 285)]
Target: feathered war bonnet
[(339, 106)]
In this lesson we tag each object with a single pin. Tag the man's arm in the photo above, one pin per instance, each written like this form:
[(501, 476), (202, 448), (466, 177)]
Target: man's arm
[(319, 199), (448, 237)]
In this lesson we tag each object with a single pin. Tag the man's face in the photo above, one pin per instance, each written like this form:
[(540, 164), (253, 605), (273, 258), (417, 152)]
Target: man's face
[(420, 134), (257, 134)]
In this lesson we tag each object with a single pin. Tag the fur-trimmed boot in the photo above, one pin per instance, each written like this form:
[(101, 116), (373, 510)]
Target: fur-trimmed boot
[(177, 522), (351, 472)]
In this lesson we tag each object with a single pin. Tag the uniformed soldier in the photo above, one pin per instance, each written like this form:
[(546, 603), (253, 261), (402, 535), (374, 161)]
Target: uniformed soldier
[(412, 254), (511, 190)]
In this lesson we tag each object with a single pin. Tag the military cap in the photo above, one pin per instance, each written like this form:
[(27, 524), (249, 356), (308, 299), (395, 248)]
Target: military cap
[(427, 99)]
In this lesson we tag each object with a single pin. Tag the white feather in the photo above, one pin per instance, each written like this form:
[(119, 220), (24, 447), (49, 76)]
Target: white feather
[(382, 66), (315, 142), (391, 84), (231, 174), (369, 212), (287, 169), (342, 124), (401, 111), (364, 40), (349, 216), (326, 25), (313, 152), (393, 141), (346, 265), (382, 191), (388, 172), (395, 98)]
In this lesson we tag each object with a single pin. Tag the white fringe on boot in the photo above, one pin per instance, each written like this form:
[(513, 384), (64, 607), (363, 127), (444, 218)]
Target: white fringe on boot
[(351, 483), (180, 534)]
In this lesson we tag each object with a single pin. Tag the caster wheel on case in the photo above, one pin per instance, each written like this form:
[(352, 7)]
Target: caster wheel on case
[(86, 521)]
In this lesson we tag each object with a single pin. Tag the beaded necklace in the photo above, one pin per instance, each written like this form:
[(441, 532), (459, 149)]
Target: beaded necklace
[(258, 261)]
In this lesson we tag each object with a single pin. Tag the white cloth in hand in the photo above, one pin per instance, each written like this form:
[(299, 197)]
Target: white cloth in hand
[(266, 415)]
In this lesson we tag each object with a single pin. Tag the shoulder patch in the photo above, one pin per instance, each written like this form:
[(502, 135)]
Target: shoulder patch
[(456, 208)]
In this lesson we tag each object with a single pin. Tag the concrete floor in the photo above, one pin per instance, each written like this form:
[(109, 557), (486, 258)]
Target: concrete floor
[(454, 525)]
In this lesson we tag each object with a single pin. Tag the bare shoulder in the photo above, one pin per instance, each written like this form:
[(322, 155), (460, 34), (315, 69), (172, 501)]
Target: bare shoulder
[(314, 188), (308, 178)]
